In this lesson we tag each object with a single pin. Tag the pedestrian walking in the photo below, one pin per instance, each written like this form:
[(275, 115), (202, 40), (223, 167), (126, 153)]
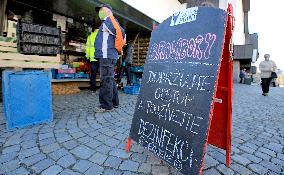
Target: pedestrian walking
[(267, 68), (108, 44)]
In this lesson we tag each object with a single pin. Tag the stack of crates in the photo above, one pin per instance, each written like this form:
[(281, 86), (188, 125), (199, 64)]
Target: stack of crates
[(38, 39)]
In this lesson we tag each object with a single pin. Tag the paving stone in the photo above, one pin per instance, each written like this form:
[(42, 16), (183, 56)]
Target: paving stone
[(78, 135), (160, 170), (82, 166), (120, 136), (113, 162), (20, 171), (94, 144), (210, 162), (145, 168), (267, 151), (28, 144), (11, 165), (69, 172), (95, 169), (42, 165), (211, 172), (277, 161), (14, 148), (271, 166), (85, 139), (224, 170), (258, 168), (53, 170), (218, 156), (70, 144), (50, 148), (120, 153), (240, 159), (247, 149), (82, 152), (64, 139), (104, 149), (112, 142), (66, 161), (47, 141), (98, 158), (240, 169), (262, 155), (58, 154), (129, 165), (153, 160), (139, 157), (102, 138), (129, 173), (33, 159), (252, 158), (274, 147), (112, 172), (45, 136), (28, 152)]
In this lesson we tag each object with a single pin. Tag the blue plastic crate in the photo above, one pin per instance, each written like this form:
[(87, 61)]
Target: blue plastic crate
[(53, 72), (27, 98), (136, 69), (133, 90), (81, 76), (65, 76)]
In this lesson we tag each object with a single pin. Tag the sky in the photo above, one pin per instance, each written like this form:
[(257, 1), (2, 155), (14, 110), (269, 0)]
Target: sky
[(266, 19)]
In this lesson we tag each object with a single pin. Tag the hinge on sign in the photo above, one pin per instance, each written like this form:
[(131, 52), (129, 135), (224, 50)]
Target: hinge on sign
[(218, 100)]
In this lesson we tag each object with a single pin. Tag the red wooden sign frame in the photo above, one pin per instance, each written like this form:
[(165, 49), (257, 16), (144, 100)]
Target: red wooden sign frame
[(221, 110)]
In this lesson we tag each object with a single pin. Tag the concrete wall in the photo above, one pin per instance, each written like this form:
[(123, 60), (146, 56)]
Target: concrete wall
[(158, 10), (236, 71)]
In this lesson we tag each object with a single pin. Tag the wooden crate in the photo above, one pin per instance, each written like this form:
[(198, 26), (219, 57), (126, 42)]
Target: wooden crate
[(8, 47), (16, 60)]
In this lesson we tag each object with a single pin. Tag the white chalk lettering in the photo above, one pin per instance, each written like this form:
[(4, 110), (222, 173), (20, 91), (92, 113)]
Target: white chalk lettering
[(165, 144), (177, 78)]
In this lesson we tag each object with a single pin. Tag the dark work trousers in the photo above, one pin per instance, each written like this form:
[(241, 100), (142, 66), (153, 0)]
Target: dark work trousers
[(108, 91), (94, 72), (265, 82)]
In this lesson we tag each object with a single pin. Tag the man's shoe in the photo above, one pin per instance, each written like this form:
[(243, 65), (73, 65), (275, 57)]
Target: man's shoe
[(101, 110), (116, 106), (265, 94)]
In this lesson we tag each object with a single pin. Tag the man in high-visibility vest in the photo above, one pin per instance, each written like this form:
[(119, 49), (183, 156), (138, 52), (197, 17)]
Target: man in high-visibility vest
[(90, 55)]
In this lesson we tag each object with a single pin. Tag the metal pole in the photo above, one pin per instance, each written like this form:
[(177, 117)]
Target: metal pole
[(3, 4)]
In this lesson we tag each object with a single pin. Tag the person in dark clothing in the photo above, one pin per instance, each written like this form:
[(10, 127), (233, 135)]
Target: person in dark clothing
[(242, 75), (127, 62), (90, 55), (108, 44)]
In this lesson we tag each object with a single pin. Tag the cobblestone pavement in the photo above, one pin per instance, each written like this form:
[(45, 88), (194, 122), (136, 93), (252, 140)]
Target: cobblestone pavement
[(79, 141)]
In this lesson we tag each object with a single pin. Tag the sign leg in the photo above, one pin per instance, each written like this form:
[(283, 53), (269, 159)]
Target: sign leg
[(128, 145)]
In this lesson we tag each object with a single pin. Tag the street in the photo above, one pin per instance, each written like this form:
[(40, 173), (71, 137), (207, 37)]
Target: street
[(80, 141)]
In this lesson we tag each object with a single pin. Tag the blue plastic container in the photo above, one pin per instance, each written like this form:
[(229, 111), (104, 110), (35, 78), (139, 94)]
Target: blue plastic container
[(136, 69), (81, 76), (65, 76), (133, 90), (27, 98)]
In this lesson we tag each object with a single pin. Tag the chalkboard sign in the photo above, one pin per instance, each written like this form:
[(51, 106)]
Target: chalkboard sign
[(173, 110)]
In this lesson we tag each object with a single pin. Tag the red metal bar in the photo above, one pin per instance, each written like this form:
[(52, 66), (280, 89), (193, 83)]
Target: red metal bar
[(128, 145)]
